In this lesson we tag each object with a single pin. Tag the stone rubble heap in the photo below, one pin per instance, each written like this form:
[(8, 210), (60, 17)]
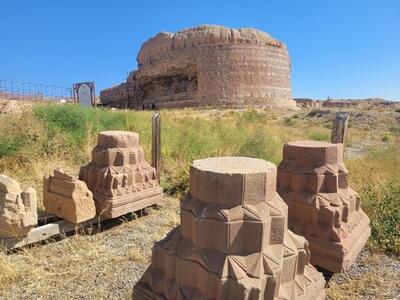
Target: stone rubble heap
[(68, 198), (233, 241), (119, 177), (313, 181), (18, 213)]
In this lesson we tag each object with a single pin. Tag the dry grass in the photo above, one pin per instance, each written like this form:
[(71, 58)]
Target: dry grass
[(369, 286), (87, 264), (375, 276), (108, 263)]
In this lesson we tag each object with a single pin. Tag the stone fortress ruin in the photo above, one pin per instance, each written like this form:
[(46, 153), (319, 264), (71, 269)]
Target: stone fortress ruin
[(207, 66)]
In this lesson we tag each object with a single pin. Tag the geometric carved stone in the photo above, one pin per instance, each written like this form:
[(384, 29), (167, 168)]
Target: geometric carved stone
[(313, 182), (233, 241), (17, 209), (68, 198), (119, 177)]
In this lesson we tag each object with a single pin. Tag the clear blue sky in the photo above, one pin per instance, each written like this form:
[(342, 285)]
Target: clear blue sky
[(339, 48)]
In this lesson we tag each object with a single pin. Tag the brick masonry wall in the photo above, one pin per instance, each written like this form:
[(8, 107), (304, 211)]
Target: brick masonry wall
[(207, 66), (240, 74)]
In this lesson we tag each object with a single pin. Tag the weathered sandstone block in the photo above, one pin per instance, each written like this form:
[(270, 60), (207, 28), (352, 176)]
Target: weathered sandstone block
[(18, 212), (207, 66), (119, 177), (68, 198), (233, 241), (313, 181)]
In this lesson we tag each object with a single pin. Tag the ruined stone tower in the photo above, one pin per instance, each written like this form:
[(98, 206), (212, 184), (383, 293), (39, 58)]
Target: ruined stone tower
[(207, 66)]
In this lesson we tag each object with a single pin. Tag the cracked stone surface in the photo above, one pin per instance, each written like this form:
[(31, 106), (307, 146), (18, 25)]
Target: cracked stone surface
[(18, 213)]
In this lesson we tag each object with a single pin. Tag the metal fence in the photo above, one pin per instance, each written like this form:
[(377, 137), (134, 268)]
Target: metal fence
[(23, 90)]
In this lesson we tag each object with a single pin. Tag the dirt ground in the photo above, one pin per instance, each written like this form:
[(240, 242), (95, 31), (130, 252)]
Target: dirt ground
[(107, 264)]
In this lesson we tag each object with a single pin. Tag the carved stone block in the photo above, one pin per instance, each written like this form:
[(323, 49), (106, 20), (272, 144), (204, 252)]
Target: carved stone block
[(238, 249), (313, 181)]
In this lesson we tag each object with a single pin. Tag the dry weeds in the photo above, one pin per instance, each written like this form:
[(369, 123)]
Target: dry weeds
[(105, 265)]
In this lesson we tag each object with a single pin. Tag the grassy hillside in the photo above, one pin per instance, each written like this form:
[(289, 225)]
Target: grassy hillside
[(37, 140)]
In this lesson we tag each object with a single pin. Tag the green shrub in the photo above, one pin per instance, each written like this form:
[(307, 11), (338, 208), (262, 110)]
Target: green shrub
[(317, 113), (10, 145), (253, 116), (288, 121), (77, 121), (384, 207), (319, 136), (385, 138), (21, 138), (189, 138), (395, 130)]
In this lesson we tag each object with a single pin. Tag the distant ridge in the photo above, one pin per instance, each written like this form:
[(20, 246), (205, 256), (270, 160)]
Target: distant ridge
[(309, 103)]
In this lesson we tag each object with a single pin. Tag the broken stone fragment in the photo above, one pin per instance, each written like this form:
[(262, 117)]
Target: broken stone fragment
[(18, 214), (68, 198)]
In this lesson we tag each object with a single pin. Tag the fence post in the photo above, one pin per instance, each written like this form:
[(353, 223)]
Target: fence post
[(156, 143), (339, 127)]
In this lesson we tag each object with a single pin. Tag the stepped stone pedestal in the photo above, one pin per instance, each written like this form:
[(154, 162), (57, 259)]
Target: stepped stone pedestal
[(68, 198), (119, 177), (18, 213), (313, 181), (233, 241)]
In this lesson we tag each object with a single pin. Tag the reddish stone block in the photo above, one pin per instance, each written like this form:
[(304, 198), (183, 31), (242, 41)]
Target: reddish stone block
[(118, 175), (325, 210), (18, 213), (231, 250), (68, 198)]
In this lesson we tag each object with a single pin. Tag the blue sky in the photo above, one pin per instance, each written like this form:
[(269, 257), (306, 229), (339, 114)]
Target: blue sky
[(341, 48)]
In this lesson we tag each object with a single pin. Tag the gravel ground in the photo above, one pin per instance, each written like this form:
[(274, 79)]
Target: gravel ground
[(372, 276), (107, 264)]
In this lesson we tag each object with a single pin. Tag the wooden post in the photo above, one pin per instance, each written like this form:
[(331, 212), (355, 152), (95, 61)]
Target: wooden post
[(339, 127), (156, 143), (73, 92)]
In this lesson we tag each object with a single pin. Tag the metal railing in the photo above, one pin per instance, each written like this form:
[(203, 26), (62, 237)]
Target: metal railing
[(23, 90)]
